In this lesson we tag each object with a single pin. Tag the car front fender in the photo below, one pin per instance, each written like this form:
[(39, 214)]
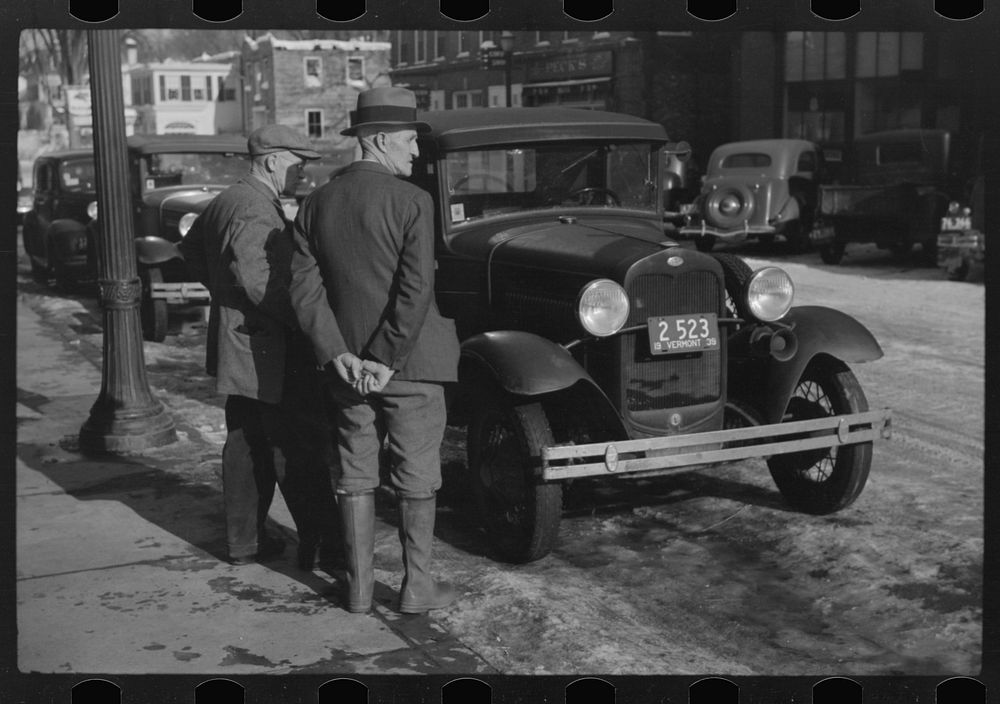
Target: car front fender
[(66, 239), (527, 365), (522, 363), (155, 250), (817, 330)]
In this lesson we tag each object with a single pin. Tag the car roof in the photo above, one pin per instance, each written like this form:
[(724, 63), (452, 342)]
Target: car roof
[(160, 143), (762, 145), (481, 127)]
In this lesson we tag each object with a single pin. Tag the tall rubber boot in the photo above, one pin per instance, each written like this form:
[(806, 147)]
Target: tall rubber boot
[(357, 513), (420, 591)]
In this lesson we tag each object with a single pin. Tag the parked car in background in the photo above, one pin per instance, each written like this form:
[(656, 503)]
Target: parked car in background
[(596, 347), (758, 189), (900, 183), (172, 178), (25, 201), (55, 228), (961, 242)]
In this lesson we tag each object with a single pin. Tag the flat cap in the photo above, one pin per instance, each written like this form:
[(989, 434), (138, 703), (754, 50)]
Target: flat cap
[(279, 138)]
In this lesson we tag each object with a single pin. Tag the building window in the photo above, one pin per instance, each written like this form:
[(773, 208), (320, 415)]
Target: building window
[(542, 38), (815, 56), (439, 46), (419, 46), (463, 48), (314, 124), (163, 88), (356, 70), (312, 68), (467, 99), (186, 88), (888, 53)]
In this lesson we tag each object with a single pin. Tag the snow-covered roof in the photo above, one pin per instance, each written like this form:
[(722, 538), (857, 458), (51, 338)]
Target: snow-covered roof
[(224, 56), (318, 44)]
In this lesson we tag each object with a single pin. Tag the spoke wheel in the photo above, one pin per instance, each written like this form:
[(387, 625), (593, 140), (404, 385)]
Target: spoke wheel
[(519, 513), (828, 479), (152, 311)]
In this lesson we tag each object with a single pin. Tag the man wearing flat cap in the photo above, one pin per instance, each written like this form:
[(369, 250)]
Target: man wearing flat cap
[(372, 236), (240, 247)]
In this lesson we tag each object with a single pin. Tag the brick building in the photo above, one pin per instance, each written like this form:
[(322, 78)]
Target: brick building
[(310, 84)]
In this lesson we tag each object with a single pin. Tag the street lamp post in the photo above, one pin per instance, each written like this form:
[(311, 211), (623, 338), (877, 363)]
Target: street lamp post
[(507, 44), (125, 417)]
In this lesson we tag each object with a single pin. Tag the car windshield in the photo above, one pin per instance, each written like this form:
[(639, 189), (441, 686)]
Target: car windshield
[(485, 183), (78, 176), (193, 168)]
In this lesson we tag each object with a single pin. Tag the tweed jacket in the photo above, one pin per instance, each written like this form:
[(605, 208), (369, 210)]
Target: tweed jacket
[(371, 235), (240, 248)]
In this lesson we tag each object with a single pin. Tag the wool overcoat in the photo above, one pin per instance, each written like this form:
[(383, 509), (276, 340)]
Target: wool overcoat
[(371, 235), (240, 248)]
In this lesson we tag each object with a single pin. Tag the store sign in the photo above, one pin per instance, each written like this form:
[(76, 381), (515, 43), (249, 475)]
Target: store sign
[(588, 63), (492, 57)]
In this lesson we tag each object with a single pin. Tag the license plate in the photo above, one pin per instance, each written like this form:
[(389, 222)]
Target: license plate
[(956, 224), (674, 334)]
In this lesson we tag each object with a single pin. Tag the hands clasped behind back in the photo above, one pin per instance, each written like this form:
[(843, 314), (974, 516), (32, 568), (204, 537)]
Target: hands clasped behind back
[(364, 375)]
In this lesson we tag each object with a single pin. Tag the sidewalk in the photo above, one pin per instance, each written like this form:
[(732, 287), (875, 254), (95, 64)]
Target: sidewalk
[(120, 560)]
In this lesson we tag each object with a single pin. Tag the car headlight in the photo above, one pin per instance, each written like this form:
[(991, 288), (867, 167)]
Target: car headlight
[(602, 307), (186, 222), (769, 293), (92, 210)]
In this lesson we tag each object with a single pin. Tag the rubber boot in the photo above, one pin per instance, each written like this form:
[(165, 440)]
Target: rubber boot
[(357, 513), (420, 591)]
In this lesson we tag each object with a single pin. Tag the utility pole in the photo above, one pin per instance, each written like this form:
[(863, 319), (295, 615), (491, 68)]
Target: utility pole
[(126, 417)]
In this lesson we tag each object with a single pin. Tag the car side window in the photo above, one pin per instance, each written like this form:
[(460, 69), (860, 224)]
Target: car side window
[(807, 162), (43, 178)]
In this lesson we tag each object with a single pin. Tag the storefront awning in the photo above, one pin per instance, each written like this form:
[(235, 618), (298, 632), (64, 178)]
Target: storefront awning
[(546, 85)]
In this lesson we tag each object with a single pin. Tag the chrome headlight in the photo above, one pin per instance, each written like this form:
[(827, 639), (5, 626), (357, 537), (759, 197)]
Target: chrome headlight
[(769, 293), (602, 307), (92, 210), (186, 222)]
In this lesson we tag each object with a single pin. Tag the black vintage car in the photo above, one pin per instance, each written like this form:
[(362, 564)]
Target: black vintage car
[(54, 228), (594, 346), (172, 178)]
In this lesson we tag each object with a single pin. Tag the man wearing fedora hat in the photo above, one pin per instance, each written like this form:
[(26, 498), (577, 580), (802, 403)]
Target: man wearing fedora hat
[(372, 236), (240, 248)]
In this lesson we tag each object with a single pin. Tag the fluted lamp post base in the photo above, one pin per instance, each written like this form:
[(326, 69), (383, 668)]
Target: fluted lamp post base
[(126, 417), (125, 431)]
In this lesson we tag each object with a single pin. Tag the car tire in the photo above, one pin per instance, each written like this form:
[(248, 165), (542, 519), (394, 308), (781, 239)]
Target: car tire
[(727, 221), (832, 253), (827, 479), (519, 513), (39, 273), (736, 273), (152, 311), (958, 271), (65, 283)]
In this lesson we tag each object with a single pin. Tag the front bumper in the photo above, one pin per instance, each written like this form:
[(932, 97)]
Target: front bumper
[(180, 292), (682, 453), (968, 244), (733, 235)]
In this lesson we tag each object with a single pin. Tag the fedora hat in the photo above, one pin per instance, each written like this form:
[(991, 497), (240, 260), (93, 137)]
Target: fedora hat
[(391, 106)]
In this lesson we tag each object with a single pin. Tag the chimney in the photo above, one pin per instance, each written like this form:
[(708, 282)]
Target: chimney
[(131, 51)]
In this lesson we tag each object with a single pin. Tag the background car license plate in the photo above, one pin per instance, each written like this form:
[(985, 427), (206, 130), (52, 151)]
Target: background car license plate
[(673, 334)]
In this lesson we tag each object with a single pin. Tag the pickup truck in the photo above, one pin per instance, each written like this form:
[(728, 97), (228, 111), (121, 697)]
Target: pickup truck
[(902, 183)]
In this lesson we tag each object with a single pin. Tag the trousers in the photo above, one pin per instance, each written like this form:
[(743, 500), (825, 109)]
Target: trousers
[(411, 416), (286, 445)]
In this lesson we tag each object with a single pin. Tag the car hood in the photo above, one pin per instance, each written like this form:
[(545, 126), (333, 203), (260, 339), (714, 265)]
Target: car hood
[(183, 198), (591, 245)]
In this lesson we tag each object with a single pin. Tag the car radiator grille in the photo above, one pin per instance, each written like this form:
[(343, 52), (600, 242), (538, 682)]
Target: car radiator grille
[(652, 383)]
